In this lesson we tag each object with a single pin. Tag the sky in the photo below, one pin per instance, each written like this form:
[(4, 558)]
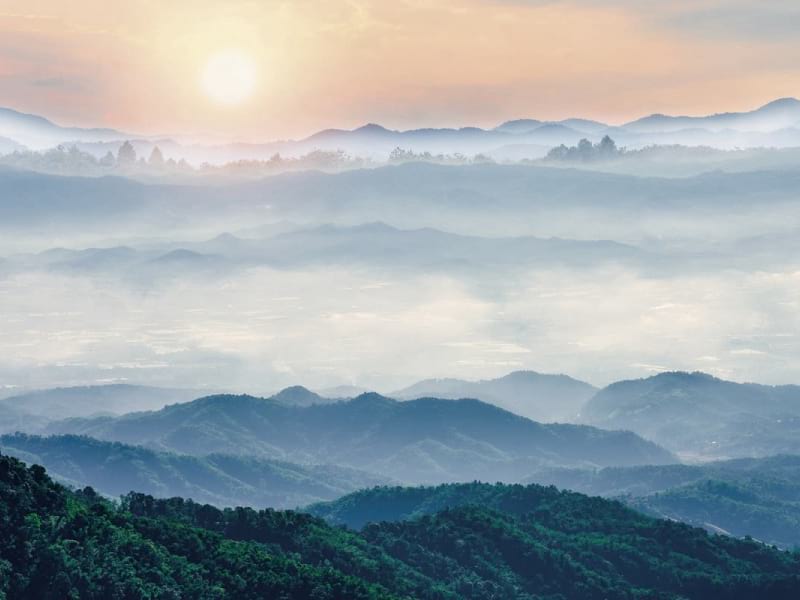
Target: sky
[(138, 66)]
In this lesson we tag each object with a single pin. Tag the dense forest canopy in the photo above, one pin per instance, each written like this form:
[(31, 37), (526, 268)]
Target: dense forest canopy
[(530, 542)]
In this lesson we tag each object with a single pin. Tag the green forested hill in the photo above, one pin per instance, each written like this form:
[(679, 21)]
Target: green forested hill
[(759, 497), (526, 543), (55, 544)]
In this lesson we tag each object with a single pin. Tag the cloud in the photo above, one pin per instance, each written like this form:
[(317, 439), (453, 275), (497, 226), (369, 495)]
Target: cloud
[(753, 19), (61, 83), (762, 21)]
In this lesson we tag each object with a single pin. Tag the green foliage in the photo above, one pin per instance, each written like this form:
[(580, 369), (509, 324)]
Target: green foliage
[(759, 497), (57, 544), (524, 542)]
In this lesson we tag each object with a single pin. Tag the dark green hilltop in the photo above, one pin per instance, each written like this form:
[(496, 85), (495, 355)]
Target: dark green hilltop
[(505, 541)]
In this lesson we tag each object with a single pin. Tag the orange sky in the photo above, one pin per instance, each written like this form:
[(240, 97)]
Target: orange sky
[(136, 65)]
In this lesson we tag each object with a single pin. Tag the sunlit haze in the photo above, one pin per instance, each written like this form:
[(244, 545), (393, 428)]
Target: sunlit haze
[(393, 299), (229, 77), (405, 64)]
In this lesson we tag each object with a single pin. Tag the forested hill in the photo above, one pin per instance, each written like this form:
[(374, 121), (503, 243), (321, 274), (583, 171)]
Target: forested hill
[(759, 497), (420, 441), (537, 543)]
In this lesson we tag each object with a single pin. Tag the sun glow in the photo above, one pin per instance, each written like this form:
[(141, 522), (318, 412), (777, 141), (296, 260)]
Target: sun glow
[(229, 77)]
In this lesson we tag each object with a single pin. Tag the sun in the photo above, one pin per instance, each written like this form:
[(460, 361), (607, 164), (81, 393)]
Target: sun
[(229, 77)]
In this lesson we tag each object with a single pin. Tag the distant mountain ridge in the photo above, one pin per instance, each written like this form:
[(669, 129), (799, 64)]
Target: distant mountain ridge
[(778, 114), (426, 440), (297, 395), (537, 396), (376, 141), (436, 195), (85, 401), (374, 244), (115, 469), (38, 132), (702, 416)]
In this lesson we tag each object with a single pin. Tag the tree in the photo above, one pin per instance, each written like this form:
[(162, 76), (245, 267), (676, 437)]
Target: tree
[(156, 158), (607, 148), (585, 149), (108, 160), (126, 155)]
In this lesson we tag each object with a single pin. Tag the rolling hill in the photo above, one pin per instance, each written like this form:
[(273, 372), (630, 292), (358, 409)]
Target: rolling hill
[(114, 469), (37, 132), (759, 497), (537, 396), (542, 544), (373, 140), (486, 199), (86, 401), (373, 245), (698, 415), (778, 114), (425, 440)]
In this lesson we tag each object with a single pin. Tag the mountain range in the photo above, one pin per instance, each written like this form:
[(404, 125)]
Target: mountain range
[(537, 396), (695, 415), (87, 401), (417, 441), (777, 122), (374, 245), (115, 469), (779, 114), (37, 132), (698, 415), (478, 200)]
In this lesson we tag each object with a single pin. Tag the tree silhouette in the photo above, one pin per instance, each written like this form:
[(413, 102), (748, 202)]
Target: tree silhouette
[(126, 154)]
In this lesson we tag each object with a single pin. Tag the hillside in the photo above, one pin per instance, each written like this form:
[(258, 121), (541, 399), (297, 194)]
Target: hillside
[(86, 401), (57, 544), (114, 469), (759, 497), (39, 133), (537, 396), (778, 114), (297, 395), (698, 415), (476, 199), (425, 440), (374, 245), (13, 419)]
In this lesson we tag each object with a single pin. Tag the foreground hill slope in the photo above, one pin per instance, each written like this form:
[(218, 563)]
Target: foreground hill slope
[(537, 396), (425, 440), (115, 469), (546, 544), (699, 415)]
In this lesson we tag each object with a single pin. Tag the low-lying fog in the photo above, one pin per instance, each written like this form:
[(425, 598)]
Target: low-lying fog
[(381, 307)]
